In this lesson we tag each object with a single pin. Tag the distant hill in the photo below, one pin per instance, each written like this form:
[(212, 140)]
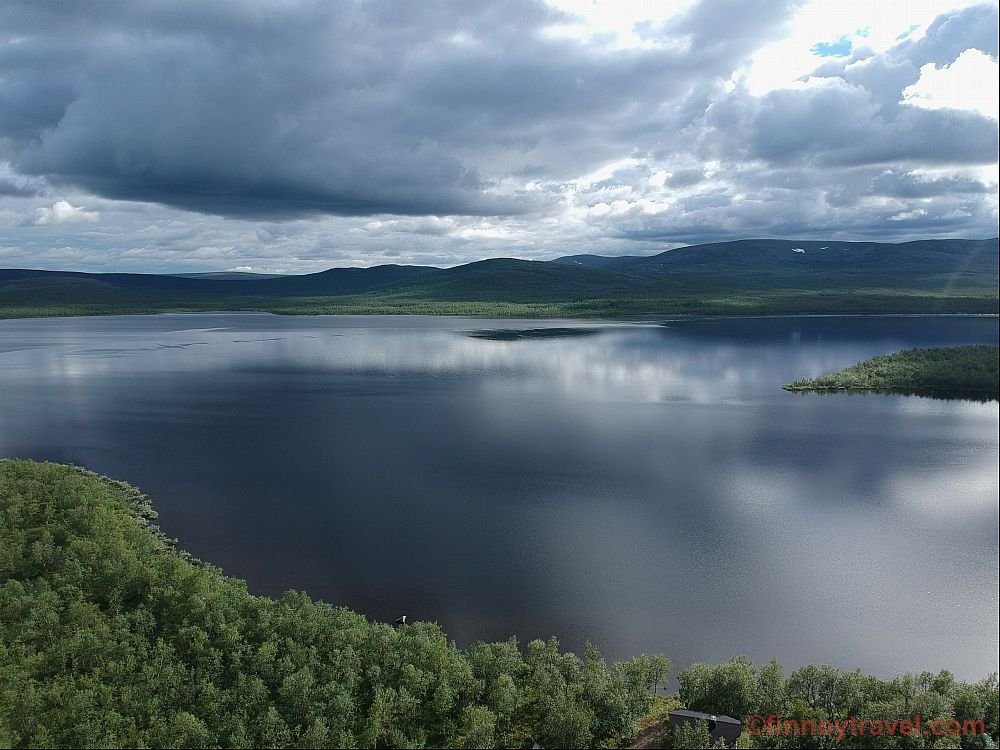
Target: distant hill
[(757, 275), (522, 280), (598, 261), (340, 281), (809, 261), (336, 281), (229, 275)]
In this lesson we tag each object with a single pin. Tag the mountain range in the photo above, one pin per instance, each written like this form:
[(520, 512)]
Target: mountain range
[(682, 278)]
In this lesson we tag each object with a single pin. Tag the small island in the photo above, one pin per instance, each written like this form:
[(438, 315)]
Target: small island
[(521, 334), (957, 372)]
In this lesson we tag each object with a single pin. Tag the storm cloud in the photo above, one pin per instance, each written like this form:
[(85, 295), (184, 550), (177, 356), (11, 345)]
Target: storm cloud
[(286, 109), (447, 131)]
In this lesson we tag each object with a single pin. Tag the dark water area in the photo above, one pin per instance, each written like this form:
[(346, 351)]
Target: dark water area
[(647, 487)]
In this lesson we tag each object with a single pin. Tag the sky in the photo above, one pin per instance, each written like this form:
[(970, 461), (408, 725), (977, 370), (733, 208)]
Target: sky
[(291, 136)]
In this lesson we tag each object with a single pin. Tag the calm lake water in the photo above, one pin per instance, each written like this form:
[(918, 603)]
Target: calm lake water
[(649, 488)]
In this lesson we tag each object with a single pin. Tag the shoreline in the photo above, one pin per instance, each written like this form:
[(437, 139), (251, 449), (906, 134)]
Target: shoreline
[(951, 373), (650, 319), (140, 508)]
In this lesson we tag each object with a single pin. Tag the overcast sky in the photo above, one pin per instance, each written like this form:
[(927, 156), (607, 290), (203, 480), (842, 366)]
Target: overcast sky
[(295, 136)]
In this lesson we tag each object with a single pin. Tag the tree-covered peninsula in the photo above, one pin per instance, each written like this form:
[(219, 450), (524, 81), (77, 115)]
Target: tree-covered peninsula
[(112, 637), (955, 372)]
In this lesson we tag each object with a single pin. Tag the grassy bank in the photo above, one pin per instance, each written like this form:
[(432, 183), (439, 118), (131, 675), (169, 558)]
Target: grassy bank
[(969, 372), (681, 302)]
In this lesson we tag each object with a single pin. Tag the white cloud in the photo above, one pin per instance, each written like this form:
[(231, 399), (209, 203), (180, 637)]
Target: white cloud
[(876, 26), (917, 213), (619, 22), (62, 212), (971, 82)]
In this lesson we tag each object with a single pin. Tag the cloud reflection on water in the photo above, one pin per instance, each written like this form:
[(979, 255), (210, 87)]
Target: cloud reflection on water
[(648, 488)]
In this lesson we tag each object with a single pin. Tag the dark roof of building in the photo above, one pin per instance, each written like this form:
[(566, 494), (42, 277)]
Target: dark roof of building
[(701, 716)]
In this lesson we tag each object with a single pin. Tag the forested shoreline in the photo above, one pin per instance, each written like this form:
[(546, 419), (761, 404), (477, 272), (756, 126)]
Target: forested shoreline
[(112, 637), (953, 372)]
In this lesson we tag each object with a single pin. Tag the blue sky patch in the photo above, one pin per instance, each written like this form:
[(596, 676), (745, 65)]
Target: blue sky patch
[(839, 48)]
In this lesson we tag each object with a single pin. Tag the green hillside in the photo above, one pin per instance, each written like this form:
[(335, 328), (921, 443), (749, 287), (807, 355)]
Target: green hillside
[(927, 264), (745, 277)]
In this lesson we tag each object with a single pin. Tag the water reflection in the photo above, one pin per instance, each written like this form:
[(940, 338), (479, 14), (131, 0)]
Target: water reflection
[(647, 487)]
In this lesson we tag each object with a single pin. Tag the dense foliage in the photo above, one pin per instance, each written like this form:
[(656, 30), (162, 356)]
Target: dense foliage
[(695, 736), (948, 372), (111, 638), (739, 689)]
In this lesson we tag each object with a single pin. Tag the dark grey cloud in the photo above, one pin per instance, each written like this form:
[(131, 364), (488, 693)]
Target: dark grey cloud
[(840, 124), (713, 33), (17, 188), (259, 109), (292, 136), (899, 184), (950, 34), (686, 177)]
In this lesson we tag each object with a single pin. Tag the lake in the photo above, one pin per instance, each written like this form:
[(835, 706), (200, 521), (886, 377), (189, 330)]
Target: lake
[(647, 487)]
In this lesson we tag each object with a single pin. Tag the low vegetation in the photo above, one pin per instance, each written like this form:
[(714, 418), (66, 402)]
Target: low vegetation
[(671, 302), (111, 637), (813, 694), (969, 372)]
